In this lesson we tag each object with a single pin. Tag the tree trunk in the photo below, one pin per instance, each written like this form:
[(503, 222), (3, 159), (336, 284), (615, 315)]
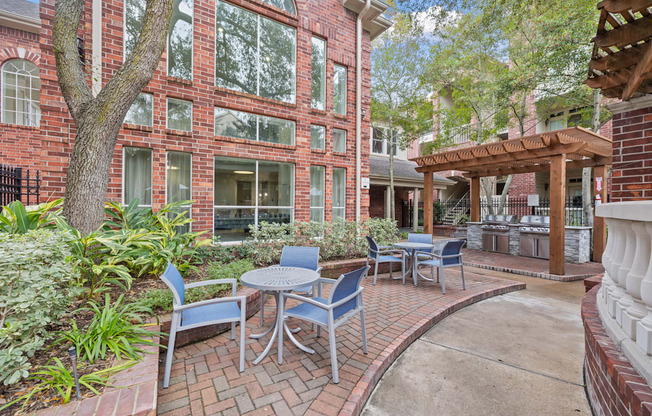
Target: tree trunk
[(98, 119)]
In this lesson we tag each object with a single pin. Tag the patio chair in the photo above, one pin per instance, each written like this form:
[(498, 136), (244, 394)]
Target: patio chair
[(344, 301), (450, 256), (384, 254), (198, 314), (291, 256)]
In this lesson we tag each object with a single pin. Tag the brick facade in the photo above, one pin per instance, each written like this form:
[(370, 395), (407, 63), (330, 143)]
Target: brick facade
[(632, 157), (48, 147)]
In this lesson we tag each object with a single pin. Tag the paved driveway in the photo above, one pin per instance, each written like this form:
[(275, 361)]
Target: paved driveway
[(515, 354)]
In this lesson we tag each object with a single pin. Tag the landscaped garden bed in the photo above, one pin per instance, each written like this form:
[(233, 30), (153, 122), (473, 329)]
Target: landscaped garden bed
[(100, 293)]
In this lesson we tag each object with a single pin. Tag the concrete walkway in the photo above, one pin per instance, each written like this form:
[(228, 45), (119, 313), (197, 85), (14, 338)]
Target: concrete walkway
[(515, 354)]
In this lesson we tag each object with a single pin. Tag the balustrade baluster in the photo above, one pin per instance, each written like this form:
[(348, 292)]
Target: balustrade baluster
[(617, 290), (626, 299), (644, 326), (640, 264)]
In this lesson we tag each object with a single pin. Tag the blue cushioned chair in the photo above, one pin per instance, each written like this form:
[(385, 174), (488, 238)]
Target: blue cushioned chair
[(384, 254), (450, 256), (344, 301), (291, 256), (198, 314), (422, 238)]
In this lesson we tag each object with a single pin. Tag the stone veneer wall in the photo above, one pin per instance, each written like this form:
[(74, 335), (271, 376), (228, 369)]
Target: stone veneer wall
[(613, 386), (473, 235)]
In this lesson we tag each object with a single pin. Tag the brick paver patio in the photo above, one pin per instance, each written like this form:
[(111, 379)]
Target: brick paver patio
[(205, 379)]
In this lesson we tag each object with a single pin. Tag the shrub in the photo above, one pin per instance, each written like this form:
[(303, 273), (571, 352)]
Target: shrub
[(115, 327), (36, 288), (16, 219)]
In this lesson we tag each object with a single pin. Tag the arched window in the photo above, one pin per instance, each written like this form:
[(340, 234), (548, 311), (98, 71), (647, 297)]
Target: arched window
[(21, 88), (287, 5)]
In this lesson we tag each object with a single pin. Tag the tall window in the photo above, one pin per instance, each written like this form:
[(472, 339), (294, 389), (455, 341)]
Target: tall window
[(134, 14), (178, 182), (287, 5), (141, 112), (137, 180), (317, 137), (339, 90), (179, 115), (254, 54), (180, 40), (248, 192), (317, 193), (318, 78), (339, 194), (569, 118), (241, 125), (339, 140), (21, 88), (380, 142)]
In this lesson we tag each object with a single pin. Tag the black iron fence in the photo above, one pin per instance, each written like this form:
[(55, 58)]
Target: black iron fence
[(458, 211), (16, 184)]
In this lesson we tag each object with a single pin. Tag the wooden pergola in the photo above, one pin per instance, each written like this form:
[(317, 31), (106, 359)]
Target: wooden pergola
[(555, 152), (621, 64)]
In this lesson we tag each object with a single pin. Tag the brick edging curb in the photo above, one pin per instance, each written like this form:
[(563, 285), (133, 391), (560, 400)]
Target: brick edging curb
[(541, 275), (134, 391), (613, 385), (365, 386)]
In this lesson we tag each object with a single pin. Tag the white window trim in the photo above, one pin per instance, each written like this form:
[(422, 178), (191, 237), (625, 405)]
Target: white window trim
[(151, 166), (188, 207), (167, 111), (3, 95), (192, 47), (258, 17), (255, 207), (385, 142)]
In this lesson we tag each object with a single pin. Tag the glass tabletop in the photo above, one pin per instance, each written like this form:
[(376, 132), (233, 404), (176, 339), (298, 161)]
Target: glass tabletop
[(279, 278)]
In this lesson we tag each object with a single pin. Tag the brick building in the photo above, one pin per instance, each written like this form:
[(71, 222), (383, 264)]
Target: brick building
[(252, 113)]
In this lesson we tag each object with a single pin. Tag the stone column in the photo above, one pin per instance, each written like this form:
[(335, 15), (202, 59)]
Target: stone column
[(640, 264)]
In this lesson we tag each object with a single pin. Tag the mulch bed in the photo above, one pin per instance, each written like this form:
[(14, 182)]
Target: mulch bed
[(83, 318)]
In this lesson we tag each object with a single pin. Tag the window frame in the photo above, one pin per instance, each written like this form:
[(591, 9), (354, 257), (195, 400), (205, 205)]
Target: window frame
[(346, 83), (323, 191), (3, 95), (343, 208), (167, 113), (151, 125), (192, 47), (323, 137), (258, 116), (167, 201), (385, 142), (258, 52), (323, 72), (255, 207), (344, 131), (124, 175)]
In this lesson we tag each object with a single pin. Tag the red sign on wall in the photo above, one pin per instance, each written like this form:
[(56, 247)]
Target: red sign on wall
[(598, 184)]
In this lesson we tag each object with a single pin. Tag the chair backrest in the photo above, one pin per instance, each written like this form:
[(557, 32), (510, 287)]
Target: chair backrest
[(372, 246), (304, 257), (421, 238), (346, 285), (452, 247), (172, 278)]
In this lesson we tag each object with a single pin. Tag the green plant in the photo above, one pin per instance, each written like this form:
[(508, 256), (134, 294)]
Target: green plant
[(16, 219), (37, 285), (462, 219), (156, 300), (57, 377), (115, 327), (439, 211), (383, 230)]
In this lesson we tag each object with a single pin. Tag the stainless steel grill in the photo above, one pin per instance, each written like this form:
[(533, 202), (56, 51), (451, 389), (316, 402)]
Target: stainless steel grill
[(495, 232), (535, 236)]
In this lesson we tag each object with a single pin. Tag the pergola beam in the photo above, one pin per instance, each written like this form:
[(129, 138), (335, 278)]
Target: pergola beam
[(542, 167), (637, 77), (624, 35), (619, 60), (620, 6)]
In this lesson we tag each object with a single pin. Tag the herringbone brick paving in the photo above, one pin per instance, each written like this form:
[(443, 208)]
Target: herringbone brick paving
[(205, 379)]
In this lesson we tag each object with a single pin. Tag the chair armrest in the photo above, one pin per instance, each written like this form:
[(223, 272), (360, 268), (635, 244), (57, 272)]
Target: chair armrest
[(448, 256), (242, 299), (233, 282), (319, 269), (305, 299), (384, 247), (382, 252), (424, 253), (326, 280)]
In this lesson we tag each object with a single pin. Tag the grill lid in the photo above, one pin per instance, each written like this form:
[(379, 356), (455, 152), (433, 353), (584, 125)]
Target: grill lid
[(536, 220), (500, 219)]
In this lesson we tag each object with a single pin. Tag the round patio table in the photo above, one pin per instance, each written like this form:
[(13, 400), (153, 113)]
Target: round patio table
[(411, 249), (276, 280)]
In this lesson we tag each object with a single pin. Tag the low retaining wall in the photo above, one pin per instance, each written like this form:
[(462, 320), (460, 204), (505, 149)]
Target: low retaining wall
[(613, 386)]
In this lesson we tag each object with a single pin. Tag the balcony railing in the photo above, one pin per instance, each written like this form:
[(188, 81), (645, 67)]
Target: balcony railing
[(625, 299)]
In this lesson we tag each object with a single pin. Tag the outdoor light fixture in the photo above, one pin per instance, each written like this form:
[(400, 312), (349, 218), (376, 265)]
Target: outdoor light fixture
[(72, 352), (243, 172)]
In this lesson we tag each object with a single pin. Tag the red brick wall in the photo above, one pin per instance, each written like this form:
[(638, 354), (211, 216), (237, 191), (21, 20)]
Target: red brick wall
[(614, 387), (48, 147), (632, 164), (523, 184), (377, 202)]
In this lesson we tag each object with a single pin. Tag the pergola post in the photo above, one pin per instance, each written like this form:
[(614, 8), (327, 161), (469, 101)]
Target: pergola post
[(599, 226), (415, 210), (427, 203), (557, 214), (475, 199)]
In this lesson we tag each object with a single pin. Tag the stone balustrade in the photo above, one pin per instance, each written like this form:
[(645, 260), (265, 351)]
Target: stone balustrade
[(625, 299)]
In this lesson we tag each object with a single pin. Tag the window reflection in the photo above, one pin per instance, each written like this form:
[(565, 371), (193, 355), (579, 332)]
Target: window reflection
[(254, 54), (317, 193), (339, 90), (317, 137), (339, 193), (179, 114), (339, 140), (141, 111), (180, 40), (179, 184), (241, 125), (134, 15), (318, 75)]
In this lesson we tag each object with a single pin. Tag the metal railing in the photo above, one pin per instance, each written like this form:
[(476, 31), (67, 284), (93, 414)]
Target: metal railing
[(16, 184)]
